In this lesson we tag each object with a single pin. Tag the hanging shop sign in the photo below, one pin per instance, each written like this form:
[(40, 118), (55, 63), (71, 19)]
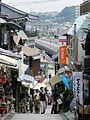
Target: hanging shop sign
[(78, 86), (62, 40), (62, 55)]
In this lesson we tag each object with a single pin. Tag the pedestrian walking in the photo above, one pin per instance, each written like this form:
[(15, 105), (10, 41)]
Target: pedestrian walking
[(42, 100), (36, 101), (55, 97)]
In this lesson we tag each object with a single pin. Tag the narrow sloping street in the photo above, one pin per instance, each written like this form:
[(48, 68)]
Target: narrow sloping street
[(32, 116), (36, 117)]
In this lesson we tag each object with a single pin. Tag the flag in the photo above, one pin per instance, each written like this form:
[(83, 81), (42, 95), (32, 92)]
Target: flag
[(66, 81)]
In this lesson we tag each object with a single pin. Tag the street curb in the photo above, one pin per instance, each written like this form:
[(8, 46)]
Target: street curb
[(65, 116), (5, 116), (71, 118), (8, 116)]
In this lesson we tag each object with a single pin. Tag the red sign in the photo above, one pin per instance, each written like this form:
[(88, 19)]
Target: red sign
[(62, 55)]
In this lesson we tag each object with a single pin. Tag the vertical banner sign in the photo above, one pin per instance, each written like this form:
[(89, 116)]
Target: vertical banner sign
[(78, 86), (62, 55)]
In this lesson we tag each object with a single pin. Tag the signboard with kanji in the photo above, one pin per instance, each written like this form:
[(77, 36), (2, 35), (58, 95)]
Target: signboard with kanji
[(62, 55), (78, 86)]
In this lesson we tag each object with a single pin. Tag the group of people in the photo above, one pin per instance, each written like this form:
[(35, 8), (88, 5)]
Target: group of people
[(40, 101), (35, 104)]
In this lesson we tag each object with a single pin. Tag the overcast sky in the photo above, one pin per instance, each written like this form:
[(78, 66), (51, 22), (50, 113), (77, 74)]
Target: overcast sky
[(42, 5)]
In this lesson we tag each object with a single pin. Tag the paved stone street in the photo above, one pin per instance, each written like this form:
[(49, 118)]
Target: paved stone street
[(46, 116), (36, 117), (31, 116)]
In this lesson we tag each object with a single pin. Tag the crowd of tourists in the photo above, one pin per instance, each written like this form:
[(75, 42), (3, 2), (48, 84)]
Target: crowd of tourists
[(38, 103), (35, 104)]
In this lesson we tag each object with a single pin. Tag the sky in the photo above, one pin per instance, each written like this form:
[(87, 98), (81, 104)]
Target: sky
[(42, 5)]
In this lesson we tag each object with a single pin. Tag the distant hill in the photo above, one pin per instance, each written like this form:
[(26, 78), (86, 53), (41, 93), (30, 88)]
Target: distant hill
[(46, 16), (66, 15)]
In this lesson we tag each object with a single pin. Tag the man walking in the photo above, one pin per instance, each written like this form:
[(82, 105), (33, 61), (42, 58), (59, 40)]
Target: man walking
[(55, 97)]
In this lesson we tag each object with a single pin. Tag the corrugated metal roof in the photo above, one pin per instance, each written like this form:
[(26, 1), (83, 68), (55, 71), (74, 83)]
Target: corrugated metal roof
[(2, 21), (9, 60), (9, 53), (80, 22)]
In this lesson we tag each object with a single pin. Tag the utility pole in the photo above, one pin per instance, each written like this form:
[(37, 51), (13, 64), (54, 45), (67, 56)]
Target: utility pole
[(74, 43), (0, 6)]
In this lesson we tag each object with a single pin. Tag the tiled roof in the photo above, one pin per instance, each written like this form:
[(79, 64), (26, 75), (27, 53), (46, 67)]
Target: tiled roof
[(30, 52), (22, 13)]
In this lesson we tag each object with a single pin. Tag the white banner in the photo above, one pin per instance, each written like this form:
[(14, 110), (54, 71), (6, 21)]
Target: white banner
[(78, 86)]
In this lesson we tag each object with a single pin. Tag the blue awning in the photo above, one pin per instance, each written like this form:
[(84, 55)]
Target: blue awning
[(66, 81)]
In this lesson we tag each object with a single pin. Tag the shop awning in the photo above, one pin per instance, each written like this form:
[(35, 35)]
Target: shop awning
[(27, 78), (10, 54), (39, 85), (29, 84), (10, 60), (54, 80)]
